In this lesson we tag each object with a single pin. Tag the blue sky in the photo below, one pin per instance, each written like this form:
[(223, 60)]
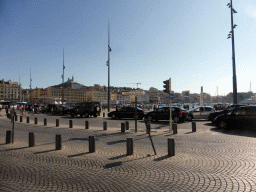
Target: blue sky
[(151, 41)]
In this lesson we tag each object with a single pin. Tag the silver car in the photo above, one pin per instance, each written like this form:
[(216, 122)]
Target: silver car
[(200, 113)]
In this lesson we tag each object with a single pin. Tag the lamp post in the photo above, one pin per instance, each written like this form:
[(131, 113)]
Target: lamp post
[(108, 64), (231, 35), (62, 76)]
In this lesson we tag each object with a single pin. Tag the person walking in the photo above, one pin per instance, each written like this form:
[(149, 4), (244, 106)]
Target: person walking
[(6, 110)]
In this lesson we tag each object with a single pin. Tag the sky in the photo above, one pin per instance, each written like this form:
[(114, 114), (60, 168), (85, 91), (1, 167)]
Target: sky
[(151, 41)]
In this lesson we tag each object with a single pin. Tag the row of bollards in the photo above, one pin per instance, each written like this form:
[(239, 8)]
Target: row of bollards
[(124, 126), (175, 130), (58, 143)]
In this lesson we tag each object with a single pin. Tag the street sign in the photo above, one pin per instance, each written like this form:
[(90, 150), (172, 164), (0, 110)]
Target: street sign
[(171, 96)]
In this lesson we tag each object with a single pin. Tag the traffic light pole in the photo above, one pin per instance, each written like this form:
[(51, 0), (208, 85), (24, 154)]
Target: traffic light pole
[(170, 129)]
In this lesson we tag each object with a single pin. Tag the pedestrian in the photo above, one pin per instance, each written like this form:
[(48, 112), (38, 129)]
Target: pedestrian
[(6, 110), (23, 109), (32, 107)]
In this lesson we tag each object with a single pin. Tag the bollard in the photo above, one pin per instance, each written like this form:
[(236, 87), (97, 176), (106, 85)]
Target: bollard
[(148, 126), (58, 142), (35, 120), (171, 147), (104, 125), (27, 119), (16, 117), (70, 124), (45, 121), (174, 128), (20, 118), (127, 125), (91, 144), (8, 137), (129, 146), (86, 125), (103, 114), (31, 141), (122, 127), (193, 126), (57, 123)]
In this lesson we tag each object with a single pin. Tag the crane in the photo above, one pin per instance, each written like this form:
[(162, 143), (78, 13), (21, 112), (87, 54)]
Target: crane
[(135, 83)]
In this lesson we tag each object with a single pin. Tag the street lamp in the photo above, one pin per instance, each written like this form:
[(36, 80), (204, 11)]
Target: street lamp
[(231, 35), (108, 64)]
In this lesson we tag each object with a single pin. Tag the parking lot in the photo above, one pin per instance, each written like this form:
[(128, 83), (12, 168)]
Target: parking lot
[(209, 159)]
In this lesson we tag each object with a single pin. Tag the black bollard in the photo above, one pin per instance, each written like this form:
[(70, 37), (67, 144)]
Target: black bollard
[(8, 137), (129, 146), (122, 127), (16, 117), (20, 118), (45, 121), (35, 120), (103, 114), (58, 142), (193, 126), (31, 141), (104, 125), (91, 144), (174, 128), (127, 125), (171, 147), (27, 119), (57, 122), (86, 125), (70, 124)]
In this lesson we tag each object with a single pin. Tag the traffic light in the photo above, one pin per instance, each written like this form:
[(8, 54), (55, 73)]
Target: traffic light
[(167, 86)]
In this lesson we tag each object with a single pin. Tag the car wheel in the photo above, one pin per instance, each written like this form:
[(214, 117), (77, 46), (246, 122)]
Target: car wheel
[(94, 115), (150, 118), (113, 116), (86, 115), (222, 125), (190, 118), (176, 119), (81, 115), (72, 114)]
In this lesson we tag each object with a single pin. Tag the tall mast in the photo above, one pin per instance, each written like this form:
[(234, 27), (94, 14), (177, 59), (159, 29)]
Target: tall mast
[(63, 80), (108, 64), (30, 86)]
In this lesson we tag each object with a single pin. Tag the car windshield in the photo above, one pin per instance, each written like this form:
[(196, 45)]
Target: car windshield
[(231, 108)]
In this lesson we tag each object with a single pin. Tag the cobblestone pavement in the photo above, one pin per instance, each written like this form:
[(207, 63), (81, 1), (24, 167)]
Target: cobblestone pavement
[(207, 160)]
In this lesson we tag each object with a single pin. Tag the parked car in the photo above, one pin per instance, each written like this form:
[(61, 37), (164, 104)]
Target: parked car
[(126, 112), (49, 108), (200, 113), (241, 117), (163, 113), (62, 110), (213, 115), (86, 109)]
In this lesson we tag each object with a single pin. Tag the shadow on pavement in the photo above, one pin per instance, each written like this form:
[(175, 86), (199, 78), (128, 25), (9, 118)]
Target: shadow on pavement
[(162, 158), (110, 165), (117, 157), (239, 132), (80, 154), (36, 153)]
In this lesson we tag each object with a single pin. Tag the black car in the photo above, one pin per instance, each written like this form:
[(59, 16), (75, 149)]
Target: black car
[(241, 117), (213, 115), (62, 110), (163, 113), (49, 108), (126, 112), (86, 109)]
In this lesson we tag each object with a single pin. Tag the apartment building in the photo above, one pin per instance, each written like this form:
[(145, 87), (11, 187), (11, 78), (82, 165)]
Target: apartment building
[(10, 90)]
